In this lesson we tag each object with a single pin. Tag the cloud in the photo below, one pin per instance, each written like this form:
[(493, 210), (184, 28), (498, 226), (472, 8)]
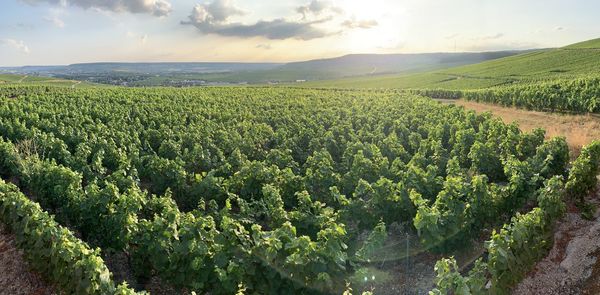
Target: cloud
[(499, 45), (216, 12), (54, 20), (277, 29), (317, 7), (214, 18), (222, 10), (155, 7), (264, 46), (359, 24), (491, 37), (16, 44)]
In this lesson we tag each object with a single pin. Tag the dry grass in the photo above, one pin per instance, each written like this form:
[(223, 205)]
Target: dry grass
[(579, 130)]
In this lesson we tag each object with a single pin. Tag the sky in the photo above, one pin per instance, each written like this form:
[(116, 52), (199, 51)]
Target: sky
[(55, 32)]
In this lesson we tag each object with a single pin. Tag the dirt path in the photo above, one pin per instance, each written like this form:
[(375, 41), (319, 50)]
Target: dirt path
[(15, 276), (572, 266), (22, 79), (578, 129)]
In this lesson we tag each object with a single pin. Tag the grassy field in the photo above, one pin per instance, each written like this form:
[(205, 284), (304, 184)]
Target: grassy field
[(573, 61), (48, 81)]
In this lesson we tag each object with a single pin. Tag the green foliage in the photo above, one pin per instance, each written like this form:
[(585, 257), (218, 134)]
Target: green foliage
[(52, 249), (512, 251), (573, 95), (486, 161), (450, 281), (107, 216), (373, 244), (260, 190), (583, 174)]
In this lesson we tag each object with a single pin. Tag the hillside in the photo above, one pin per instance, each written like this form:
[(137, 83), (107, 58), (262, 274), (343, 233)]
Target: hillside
[(41, 80), (568, 62), (590, 44), (369, 64), (210, 73)]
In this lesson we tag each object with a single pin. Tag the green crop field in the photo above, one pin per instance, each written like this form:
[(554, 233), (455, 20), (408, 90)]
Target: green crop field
[(276, 189), (48, 81), (299, 147)]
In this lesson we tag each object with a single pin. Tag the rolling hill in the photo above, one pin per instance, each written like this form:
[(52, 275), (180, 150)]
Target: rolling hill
[(190, 74), (40, 80), (573, 61), (369, 64)]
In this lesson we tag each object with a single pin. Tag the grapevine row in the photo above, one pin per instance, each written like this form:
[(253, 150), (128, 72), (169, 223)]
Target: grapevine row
[(53, 250)]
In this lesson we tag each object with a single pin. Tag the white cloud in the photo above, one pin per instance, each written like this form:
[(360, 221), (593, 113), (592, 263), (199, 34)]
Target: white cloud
[(318, 7), (491, 37), (353, 23), (56, 21), (16, 44)]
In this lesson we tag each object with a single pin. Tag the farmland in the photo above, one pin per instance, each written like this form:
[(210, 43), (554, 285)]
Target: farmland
[(299, 147), (578, 60), (274, 189), (39, 80), (316, 190)]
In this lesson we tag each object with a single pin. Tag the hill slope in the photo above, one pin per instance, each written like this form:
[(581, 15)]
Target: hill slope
[(573, 61), (40, 80), (189, 74), (364, 64)]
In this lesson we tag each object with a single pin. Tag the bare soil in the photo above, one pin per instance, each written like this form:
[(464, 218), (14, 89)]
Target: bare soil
[(16, 277), (572, 266)]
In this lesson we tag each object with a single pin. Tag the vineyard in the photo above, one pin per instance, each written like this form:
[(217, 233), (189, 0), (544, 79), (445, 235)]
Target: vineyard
[(273, 190), (571, 95), (576, 61)]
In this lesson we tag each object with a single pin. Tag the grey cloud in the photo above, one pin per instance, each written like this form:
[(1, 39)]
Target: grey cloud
[(154, 7), (213, 18), (264, 46), (277, 29)]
